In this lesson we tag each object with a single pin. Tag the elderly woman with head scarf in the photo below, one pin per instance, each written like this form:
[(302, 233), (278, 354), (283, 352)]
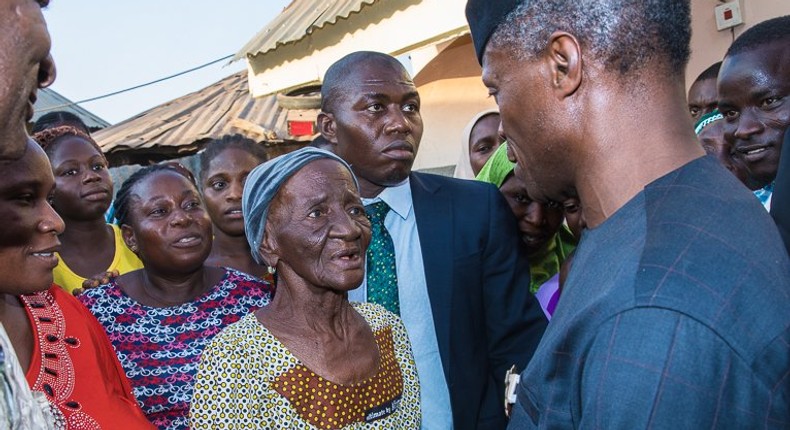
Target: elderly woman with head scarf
[(160, 318), (547, 239), (479, 141), (310, 359)]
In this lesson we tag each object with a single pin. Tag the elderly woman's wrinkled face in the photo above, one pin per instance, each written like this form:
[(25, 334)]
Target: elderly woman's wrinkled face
[(29, 237), (168, 225), (317, 228), (537, 222)]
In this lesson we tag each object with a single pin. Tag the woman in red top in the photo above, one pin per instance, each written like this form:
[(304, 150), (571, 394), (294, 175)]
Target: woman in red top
[(60, 346)]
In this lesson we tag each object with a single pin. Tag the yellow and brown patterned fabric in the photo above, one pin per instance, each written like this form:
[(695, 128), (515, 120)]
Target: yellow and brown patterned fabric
[(249, 380)]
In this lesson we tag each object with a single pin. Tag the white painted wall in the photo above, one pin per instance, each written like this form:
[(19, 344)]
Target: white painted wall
[(443, 60), (451, 93), (394, 27), (709, 45)]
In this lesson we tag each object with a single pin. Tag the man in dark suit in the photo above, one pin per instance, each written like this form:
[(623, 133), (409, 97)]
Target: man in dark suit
[(458, 277), (780, 209), (674, 314)]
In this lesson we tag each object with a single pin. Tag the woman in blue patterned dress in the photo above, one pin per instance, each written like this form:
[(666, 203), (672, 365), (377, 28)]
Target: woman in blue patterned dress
[(160, 318), (310, 359)]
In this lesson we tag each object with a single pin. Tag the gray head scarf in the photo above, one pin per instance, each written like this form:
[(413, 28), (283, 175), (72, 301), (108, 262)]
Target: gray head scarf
[(265, 181)]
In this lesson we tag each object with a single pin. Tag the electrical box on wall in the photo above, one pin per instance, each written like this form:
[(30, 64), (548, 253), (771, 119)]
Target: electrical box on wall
[(728, 15)]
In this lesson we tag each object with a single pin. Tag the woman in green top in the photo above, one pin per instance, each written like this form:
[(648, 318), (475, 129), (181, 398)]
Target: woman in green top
[(547, 239)]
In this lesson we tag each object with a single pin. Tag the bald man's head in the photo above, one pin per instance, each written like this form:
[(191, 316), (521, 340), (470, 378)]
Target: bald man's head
[(341, 75), (370, 115), (25, 66)]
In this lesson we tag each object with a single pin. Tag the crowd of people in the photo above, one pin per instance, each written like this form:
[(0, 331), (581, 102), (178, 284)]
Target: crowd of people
[(334, 287)]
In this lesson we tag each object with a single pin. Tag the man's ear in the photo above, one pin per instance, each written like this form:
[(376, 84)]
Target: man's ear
[(326, 125), (564, 56), (129, 238)]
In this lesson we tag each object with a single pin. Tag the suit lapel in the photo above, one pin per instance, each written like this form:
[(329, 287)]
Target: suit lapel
[(433, 211)]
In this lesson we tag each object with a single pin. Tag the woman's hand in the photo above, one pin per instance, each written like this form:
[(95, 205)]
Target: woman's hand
[(96, 280)]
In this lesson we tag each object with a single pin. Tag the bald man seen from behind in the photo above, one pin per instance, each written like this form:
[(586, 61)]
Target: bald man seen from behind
[(675, 312), (25, 66)]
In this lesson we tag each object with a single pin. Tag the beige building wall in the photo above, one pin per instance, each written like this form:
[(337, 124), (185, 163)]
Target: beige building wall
[(447, 106), (447, 73), (395, 27), (709, 45), (451, 93)]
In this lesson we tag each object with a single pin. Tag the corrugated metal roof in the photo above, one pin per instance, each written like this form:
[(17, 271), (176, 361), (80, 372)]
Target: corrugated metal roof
[(49, 101), (212, 112), (297, 21)]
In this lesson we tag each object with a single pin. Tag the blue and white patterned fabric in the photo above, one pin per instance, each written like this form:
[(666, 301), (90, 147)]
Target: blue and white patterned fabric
[(764, 194), (159, 348)]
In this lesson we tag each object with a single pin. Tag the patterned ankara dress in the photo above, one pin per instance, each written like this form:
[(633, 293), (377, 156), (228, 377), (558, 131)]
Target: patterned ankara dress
[(249, 380), (159, 348)]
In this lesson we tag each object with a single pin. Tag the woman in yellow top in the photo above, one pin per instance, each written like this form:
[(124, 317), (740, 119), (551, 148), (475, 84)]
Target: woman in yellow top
[(84, 190)]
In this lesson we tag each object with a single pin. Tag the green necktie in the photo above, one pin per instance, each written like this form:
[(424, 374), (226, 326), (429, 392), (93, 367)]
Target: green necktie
[(382, 275)]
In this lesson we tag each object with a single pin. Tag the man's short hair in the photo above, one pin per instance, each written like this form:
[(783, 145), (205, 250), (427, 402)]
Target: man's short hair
[(712, 72), (764, 33), (336, 78), (624, 35)]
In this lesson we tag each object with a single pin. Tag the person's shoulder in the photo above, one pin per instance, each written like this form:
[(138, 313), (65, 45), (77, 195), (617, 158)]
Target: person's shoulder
[(457, 185), (715, 224), (763, 354), (74, 310), (242, 282), (376, 315), (105, 292), (237, 276), (704, 194), (467, 198), (711, 252), (63, 298), (645, 340), (238, 336)]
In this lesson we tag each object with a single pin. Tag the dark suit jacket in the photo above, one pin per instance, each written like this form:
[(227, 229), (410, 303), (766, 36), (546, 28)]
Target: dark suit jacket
[(477, 275), (780, 200)]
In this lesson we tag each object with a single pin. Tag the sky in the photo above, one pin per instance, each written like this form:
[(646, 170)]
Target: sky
[(101, 46)]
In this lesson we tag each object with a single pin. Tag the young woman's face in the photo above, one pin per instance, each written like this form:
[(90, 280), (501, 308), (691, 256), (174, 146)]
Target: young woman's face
[(483, 141), (84, 187), (537, 222), (29, 236), (223, 183)]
